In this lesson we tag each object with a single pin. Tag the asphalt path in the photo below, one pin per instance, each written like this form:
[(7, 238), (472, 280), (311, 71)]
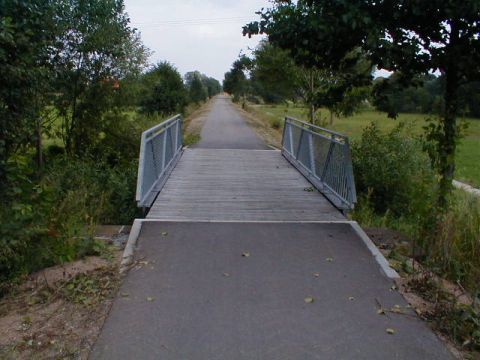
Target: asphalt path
[(225, 128)]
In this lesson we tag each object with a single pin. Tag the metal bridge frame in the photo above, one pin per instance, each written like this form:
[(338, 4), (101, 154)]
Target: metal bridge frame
[(160, 149), (323, 157)]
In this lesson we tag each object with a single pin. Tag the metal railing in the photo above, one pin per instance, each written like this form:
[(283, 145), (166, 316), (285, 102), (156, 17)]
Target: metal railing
[(160, 150), (323, 157)]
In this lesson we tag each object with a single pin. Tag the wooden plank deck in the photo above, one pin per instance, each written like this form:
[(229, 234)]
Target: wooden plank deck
[(239, 185)]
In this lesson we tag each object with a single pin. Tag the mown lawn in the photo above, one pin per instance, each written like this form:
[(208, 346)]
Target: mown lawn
[(468, 156)]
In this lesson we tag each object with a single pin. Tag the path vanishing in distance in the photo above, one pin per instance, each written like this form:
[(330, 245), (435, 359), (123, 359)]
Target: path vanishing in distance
[(238, 261)]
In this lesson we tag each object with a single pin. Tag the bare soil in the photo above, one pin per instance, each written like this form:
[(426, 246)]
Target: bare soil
[(58, 312)]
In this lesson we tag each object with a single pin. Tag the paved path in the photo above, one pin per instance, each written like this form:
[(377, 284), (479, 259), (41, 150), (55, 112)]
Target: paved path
[(226, 129), (194, 296), (210, 302)]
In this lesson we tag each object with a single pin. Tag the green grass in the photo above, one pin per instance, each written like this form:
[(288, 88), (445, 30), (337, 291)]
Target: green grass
[(468, 156)]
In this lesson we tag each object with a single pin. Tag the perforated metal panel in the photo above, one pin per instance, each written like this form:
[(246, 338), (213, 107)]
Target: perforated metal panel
[(323, 156)]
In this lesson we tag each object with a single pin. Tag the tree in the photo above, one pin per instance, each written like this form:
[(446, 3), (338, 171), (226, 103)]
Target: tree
[(412, 37), (197, 91), (212, 85), (95, 49), (27, 33), (273, 73), (236, 82), (163, 90)]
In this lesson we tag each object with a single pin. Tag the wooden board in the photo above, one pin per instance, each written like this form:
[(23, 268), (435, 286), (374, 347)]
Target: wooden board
[(239, 185)]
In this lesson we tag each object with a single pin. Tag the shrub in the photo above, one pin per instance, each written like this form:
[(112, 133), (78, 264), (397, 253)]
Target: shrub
[(455, 245), (394, 171)]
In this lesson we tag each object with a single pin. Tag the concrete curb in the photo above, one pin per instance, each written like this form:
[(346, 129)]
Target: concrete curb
[(379, 258), (465, 187), (129, 250)]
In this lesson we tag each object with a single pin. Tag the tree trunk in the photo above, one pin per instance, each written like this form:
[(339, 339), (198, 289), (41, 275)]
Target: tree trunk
[(448, 139), (39, 146), (331, 118)]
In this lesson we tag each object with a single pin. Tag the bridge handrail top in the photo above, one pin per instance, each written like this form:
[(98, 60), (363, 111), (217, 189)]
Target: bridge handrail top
[(316, 127), (160, 126)]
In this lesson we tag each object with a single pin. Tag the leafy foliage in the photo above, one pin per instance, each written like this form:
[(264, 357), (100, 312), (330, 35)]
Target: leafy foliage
[(411, 37), (26, 34), (392, 169), (163, 90)]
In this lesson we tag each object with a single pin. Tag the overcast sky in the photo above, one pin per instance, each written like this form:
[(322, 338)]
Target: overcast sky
[(204, 35)]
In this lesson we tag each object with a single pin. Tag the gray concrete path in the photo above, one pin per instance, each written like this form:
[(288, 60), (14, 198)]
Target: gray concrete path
[(226, 129), (194, 296)]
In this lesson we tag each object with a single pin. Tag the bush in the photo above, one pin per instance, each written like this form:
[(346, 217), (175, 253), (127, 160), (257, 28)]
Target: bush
[(396, 189), (52, 221), (394, 171), (455, 245)]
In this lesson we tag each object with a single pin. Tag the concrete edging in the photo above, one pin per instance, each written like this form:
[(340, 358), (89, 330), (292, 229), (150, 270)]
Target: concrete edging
[(379, 258), (129, 250)]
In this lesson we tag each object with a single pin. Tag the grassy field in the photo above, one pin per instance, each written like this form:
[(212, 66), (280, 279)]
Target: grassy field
[(468, 156)]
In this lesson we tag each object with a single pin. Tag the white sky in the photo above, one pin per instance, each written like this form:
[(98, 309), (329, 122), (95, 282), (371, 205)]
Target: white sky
[(203, 35)]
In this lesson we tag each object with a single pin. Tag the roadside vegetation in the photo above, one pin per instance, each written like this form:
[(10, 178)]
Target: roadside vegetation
[(412, 132), (77, 91)]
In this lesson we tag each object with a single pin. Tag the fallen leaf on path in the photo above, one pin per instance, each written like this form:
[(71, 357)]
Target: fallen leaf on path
[(381, 312), (390, 331), (149, 298), (351, 298), (246, 254), (329, 259), (309, 299), (316, 274), (164, 233), (226, 274), (123, 294)]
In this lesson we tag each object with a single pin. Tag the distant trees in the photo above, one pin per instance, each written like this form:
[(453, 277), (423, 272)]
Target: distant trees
[(200, 86), (272, 75), (163, 90)]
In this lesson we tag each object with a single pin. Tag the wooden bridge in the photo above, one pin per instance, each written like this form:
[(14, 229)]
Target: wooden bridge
[(246, 253)]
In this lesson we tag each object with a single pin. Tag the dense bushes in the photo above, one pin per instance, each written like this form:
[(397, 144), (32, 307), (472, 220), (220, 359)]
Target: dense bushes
[(397, 189), (52, 221), (394, 172)]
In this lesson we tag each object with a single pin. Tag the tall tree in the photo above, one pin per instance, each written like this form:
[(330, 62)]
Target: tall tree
[(197, 91), (413, 37), (236, 81), (163, 90), (96, 48), (273, 73)]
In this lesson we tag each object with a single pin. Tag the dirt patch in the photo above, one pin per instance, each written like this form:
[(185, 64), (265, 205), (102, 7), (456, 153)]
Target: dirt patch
[(262, 127), (58, 312)]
